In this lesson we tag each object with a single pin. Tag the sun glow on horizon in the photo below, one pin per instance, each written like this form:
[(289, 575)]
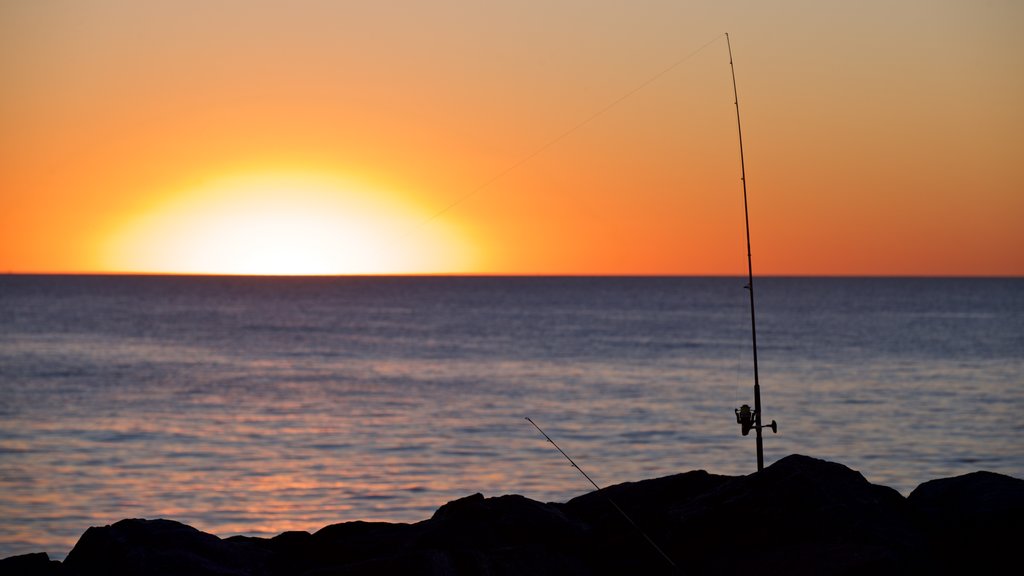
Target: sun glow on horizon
[(285, 224)]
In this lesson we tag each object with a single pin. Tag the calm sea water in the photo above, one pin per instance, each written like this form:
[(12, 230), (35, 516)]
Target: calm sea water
[(258, 405)]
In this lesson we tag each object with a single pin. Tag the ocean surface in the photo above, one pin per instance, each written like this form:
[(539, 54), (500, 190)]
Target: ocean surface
[(259, 405)]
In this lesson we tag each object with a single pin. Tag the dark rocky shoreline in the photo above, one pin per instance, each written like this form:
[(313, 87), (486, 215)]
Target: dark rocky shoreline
[(799, 516)]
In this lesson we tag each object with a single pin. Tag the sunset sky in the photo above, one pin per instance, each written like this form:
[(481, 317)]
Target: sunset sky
[(334, 137)]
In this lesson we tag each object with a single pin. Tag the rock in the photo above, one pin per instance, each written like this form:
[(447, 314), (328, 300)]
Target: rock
[(160, 548), (505, 535), (478, 522), (335, 547), (799, 516), (37, 564), (973, 521), (646, 498), (622, 548)]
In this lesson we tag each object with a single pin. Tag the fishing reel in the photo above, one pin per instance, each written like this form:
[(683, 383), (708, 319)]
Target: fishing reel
[(747, 419)]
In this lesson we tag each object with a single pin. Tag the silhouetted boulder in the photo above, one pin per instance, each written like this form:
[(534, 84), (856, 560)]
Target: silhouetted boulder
[(505, 535), (973, 521), (36, 564), (619, 544), (160, 548), (475, 521), (799, 516), (336, 548)]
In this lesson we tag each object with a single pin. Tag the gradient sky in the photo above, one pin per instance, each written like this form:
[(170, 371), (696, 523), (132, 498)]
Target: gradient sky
[(348, 136)]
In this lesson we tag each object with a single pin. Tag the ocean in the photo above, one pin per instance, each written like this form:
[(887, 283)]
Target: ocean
[(258, 405)]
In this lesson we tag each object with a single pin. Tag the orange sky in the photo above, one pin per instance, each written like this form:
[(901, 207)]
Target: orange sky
[(326, 137)]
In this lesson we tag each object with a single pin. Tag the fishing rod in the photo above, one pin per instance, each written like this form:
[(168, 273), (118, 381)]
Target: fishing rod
[(606, 497), (748, 419)]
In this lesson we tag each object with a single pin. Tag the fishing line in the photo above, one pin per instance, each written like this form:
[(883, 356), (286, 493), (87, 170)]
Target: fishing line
[(743, 358), (606, 497), (540, 150)]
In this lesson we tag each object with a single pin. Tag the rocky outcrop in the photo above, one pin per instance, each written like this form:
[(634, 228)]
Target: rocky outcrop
[(799, 516)]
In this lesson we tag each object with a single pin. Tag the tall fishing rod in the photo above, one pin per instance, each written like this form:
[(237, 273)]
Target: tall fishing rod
[(746, 418), (606, 497)]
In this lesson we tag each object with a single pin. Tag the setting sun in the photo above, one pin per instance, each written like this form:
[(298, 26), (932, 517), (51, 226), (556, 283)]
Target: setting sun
[(283, 224)]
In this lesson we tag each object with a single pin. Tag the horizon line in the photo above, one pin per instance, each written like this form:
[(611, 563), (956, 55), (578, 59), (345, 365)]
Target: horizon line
[(504, 275)]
